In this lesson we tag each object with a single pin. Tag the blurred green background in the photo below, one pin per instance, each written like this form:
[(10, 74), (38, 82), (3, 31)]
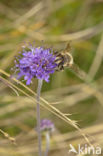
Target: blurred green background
[(52, 23)]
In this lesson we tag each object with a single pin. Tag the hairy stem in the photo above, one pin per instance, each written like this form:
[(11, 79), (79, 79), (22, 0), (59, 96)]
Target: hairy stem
[(38, 116), (47, 143)]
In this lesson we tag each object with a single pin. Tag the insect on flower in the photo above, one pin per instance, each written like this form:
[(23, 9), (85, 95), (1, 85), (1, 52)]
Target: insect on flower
[(64, 58)]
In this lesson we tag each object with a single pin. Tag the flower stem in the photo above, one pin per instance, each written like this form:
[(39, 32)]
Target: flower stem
[(38, 115), (47, 143)]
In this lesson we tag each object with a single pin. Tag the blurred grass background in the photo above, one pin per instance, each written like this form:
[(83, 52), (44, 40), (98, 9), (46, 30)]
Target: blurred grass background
[(52, 23)]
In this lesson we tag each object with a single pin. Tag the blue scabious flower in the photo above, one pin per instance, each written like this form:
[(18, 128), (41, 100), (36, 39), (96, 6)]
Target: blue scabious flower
[(47, 125), (36, 62)]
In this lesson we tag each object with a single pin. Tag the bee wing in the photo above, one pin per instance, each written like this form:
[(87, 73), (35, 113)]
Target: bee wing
[(68, 48), (77, 71)]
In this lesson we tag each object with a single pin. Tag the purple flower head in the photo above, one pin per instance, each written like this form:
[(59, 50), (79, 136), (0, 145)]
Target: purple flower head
[(47, 125), (35, 62)]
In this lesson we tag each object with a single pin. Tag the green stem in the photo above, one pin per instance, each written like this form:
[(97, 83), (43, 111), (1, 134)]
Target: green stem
[(47, 143), (38, 116)]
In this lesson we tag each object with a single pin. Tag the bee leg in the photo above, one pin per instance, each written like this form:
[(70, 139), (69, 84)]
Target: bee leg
[(61, 68), (60, 65)]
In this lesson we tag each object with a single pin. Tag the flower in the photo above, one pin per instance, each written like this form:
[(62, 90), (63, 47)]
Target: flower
[(36, 62), (46, 125)]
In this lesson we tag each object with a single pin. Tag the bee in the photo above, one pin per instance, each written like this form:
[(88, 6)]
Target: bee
[(64, 58)]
